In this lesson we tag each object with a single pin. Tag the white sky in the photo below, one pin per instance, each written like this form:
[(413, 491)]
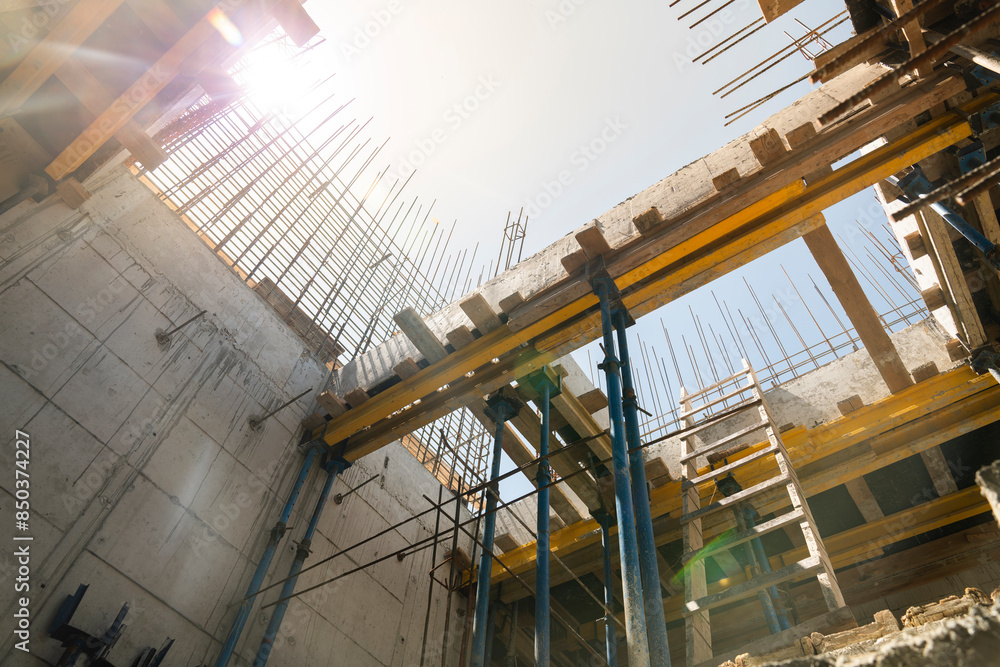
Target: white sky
[(493, 100)]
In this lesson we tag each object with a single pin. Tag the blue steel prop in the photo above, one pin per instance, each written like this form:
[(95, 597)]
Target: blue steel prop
[(635, 616), (656, 623), (333, 468), (546, 384), (265, 562), (610, 632), (501, 408)]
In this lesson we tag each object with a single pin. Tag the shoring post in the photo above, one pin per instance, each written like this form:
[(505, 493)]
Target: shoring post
[(610, 632), (265, 561), (656, 623), (781, 620), (501, 408), (547, 384), (635, 614), (333, 468)]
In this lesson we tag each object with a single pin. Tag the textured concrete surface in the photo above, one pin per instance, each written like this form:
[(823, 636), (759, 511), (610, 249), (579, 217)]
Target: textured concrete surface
[(147, 482)]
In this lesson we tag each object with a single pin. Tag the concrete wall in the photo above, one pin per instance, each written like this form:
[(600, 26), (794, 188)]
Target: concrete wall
[(146, 481)]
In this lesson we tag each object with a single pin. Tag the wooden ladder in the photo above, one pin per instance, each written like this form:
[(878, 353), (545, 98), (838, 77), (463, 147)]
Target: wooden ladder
[(730, 400)]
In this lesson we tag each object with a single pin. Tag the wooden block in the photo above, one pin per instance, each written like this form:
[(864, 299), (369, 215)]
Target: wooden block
[(786, 427), (933, 298), (924, 371), (767, 148), (657, 473), (72, 192), (592, 241), (480, 312), (460, 337), (313, 421), (849, 404), (414, 327), (509, 303), (646, 221), (406, 368), (332, 403), (915, 243), (956, 350), (593, 400), (726, 179), (295, 21), (356, 397), (504, 542), (800, 135), (574, 261)]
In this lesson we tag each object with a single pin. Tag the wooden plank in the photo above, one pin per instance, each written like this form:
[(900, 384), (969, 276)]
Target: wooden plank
[(768, 147), (726, 178), (114, 118), (459, 337), (406, 368), (734, 539), (852, 297), (414, 328), (332, 403), (593, 400), (295, 21), (72, 192), (648, 220), (933, 298), (509, 303), (95, 98), (49, 54), (583, 423), (915, 244), (592, 241), (863, 498), (695, 453), (480, 312), (574, 261), (871, 48), (925, 371), (356, 397), (739, 496), (940, 471)]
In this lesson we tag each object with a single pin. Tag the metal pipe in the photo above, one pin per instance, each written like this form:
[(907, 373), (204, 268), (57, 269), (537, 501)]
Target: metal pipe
[(764, 595), (265, 562), (501, 410), (542, 601), (915, 184), (656, 623), (610, 633), (765, 565), (333, 468), (635, 617)]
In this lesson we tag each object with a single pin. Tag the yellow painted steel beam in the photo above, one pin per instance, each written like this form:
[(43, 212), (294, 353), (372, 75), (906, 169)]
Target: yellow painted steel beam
[(857, 544), (791, 205), (935, 410)]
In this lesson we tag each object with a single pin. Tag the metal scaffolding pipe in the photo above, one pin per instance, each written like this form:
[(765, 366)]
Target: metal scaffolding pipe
[(656, 623), (542, 601), (501, 410), (333, 468), (265, 562), (610, 633), (915, 184), (635, 616), (757, 547)]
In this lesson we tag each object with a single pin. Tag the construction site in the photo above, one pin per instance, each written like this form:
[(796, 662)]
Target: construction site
[(258, 409)]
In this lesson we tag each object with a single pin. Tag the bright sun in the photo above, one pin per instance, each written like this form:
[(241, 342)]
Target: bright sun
[(276, 81)]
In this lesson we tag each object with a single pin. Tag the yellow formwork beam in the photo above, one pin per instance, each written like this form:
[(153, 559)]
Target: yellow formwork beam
[(788, 207)]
